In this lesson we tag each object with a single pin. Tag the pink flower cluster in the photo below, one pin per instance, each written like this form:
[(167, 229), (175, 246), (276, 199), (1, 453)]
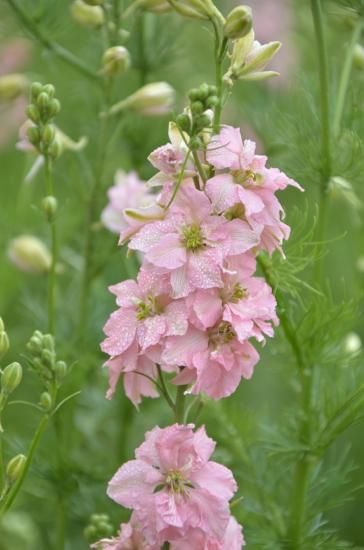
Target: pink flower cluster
[(196, 305), (177, 495)]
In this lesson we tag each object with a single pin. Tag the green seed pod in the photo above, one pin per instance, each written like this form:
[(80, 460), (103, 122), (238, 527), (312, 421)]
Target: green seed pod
[(35, 90), (183, 122), (49, 89), (54, 107), (46, 401), (49, 207), (238, 23), (48, 134), (32, 112), (11, 378), (4, 344), (15, 468), (197, 107)]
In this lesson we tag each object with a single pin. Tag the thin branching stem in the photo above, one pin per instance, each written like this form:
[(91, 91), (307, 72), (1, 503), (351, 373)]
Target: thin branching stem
[(68, 57), (52, 279)]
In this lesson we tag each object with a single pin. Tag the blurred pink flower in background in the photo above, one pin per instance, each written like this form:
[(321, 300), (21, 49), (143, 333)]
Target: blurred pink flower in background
[(14, 56)]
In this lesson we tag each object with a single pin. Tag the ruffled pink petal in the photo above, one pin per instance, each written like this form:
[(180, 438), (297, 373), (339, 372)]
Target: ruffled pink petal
[(167, 253), (132, 483), (120, 330), (216, 479)]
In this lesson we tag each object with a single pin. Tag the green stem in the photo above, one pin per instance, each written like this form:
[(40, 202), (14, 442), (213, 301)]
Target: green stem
[(11, 496), (199, 167), (180, 404), (52, 271), (304, 465), (143, 64), (50, 45), (2, 470), (219, 59), (345, 77), (165, 390)]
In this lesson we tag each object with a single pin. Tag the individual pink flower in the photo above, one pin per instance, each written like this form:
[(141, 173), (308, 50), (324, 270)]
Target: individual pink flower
[(247, 190), (173, 487), (191, 244), (146, 316), (128, 192), (214, 361)]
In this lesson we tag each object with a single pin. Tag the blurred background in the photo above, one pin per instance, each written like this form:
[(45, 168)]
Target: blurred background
[(94, 436)]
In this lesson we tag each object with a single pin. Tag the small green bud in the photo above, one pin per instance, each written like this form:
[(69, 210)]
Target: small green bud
[(49, 207), (197, 107), (33, 113), (195, 143), (46, 401), (194, 94), (212, 101), (49, 89), (48, 134), (48, 342), (358, 57), (2, 326), (4, 343), (238, 23), (204, 91), (116, 60), (212, 90), (60, 370), (11, 378), (47, 358), (35, 90), (15, 468), (33, 134), (183, 122), (54, 107), (43, 100), (55, 150), (202, 121)]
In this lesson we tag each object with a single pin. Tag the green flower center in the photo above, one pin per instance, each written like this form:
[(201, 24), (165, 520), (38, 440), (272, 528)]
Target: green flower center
[(246, 177), (149, 308), (235, 212), (222, 334), (176, 482), (192, 237), (238, 293)]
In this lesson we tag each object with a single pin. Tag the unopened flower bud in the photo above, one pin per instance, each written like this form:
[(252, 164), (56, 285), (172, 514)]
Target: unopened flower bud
[(48, 134), (49, 207), (54, 107), (55, 149), (32, 112), (116, 60), (197, 9), (183, 122), (151, 100), (29, 254), (12, 86), (46, 401), (4, 343), (60, 370), (212, 101), (11, 378), (86, 15), (353, 343), (33, 135), (358, 57), (49, 89), (15, 468), (35, 89), (202, 121), (238, 23), (47, 358), (43, 100), (48, 342)]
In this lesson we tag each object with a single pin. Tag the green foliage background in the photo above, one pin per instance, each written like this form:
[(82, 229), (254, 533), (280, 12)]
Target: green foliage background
[(257, 428)]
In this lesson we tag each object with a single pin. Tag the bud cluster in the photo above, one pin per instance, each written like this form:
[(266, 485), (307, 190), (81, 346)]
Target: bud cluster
[(44, 362), (41, 111), (99, 527), (202, 102)]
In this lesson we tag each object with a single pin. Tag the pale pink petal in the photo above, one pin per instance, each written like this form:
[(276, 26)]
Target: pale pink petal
[(168, 252), (216, 479)]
